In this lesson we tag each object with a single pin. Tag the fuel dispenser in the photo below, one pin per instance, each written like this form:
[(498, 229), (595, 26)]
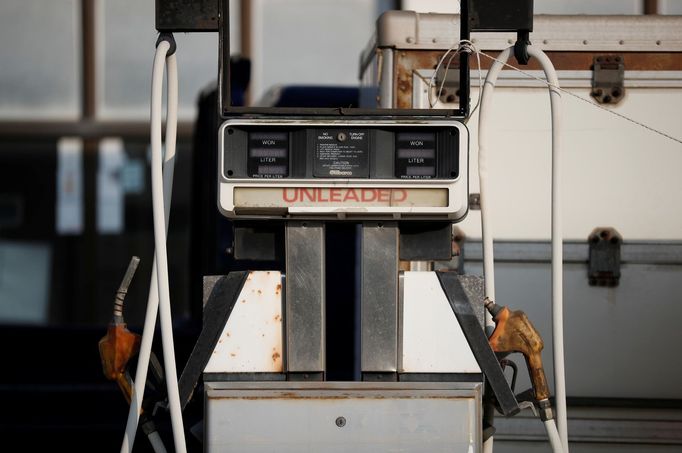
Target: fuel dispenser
[(432, 344)]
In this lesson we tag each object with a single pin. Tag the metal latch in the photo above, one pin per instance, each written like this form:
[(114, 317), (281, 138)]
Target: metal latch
[(608, 74), (446, 81), (604, 261)]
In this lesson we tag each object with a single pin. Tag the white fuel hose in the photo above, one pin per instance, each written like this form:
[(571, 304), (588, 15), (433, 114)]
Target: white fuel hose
[(557, 247), (557, 239), (159, 280), (553, 434)]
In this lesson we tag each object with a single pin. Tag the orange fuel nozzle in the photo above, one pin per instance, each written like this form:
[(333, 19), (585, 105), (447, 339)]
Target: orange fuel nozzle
[(515, 333), (119, 344), (115, 350)]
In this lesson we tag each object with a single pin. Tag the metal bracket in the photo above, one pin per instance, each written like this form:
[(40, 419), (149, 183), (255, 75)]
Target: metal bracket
[(447, 77), (220, 295), (604, 258), (608, 75), (478, 342)]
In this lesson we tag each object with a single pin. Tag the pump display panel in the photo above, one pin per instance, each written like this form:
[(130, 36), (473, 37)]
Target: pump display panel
[(343, 169)]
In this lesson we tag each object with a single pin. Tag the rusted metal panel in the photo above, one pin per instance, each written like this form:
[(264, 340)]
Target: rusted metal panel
[(405, 65), (251, 341)]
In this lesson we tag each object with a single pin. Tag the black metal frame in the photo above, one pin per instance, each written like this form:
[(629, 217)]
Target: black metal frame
[(226, 110)]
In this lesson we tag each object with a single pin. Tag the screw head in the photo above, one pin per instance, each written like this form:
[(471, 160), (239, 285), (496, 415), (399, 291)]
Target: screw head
[(340, 422)]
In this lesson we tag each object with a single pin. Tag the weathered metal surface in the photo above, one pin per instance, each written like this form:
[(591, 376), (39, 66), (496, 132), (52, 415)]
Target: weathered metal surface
[(406, 62), (406, 30), (604, 257), (251, 341), (379, 300), (478, 342), (608, 72), (305, 289), (342, 417), (219, 298)]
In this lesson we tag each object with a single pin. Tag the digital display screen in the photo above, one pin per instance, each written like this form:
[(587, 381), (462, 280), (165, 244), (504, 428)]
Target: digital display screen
[(415, 156), (268, 155)]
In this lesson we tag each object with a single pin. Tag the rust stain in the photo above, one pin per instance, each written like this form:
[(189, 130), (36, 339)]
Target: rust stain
[(406, 65), (275, 356), (260, 292), (220, 341), (278, 318), (232, 354), (227, 334), (243, 301), (278, 287)]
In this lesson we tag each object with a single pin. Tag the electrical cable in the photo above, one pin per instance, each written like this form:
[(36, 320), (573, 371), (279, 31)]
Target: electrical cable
[(463, 45), (153, 297), (557, 252)]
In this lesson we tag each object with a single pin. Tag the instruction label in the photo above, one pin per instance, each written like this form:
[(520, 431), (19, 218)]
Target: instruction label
[(341, 153)]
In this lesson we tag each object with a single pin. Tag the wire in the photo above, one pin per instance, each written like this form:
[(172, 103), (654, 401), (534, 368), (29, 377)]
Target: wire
[(613, 112), (465, 46)]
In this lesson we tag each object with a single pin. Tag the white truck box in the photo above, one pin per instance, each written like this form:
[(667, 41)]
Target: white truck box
[(621, 342)]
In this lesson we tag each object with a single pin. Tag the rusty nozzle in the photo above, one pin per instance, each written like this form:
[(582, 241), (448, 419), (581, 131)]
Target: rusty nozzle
[(515, 333)]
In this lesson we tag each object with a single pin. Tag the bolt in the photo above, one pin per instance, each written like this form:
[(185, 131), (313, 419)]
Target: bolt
[(341, 137), (340, 422)]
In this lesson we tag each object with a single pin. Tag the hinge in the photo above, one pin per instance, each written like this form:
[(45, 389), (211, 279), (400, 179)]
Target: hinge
[(604, 261), (608, 75)]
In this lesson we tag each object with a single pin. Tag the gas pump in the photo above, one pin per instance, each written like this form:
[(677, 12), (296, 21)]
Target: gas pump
[(430, 363)]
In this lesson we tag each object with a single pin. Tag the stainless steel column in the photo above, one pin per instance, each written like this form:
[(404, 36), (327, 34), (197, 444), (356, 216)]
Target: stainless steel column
[(305, 301), (379, 341)]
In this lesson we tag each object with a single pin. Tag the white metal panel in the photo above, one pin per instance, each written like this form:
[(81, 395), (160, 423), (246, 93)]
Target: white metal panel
[(614, 172), (408, 30), (540, 6), (431, 338), (251, 341), (619, 342), (343, 417)]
